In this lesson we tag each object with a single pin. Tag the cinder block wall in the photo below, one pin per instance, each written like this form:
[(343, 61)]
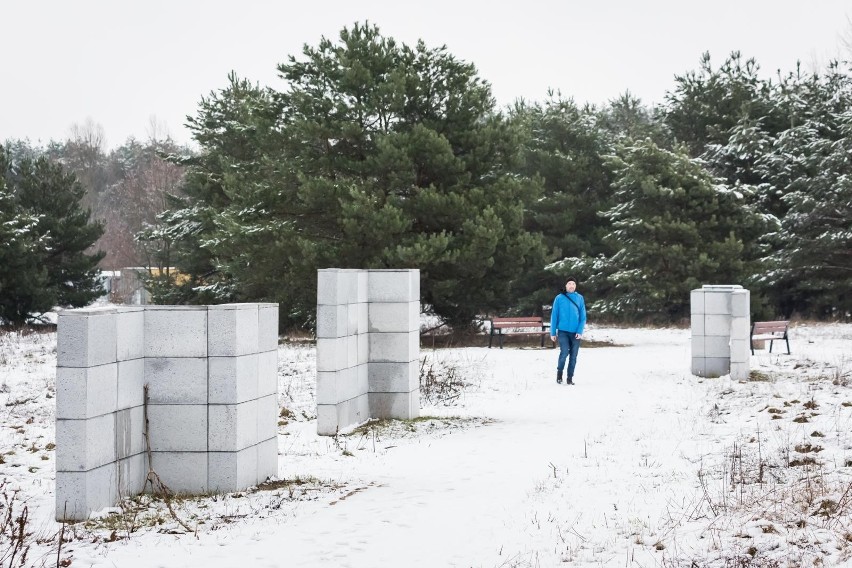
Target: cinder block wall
[(720, 325), (368, 346), (211, 373)]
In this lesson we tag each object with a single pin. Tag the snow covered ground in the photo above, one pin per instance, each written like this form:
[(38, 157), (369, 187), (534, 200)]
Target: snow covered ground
[(639, 464)]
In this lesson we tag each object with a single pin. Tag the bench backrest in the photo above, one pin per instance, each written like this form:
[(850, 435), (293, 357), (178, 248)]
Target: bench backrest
[(761, 327), (522, 321)]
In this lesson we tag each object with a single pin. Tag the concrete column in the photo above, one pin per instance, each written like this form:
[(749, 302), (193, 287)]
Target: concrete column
[(368, 346), (719, 323)]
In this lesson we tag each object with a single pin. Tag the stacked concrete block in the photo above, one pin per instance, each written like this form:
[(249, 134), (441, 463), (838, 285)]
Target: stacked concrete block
[(242, 401), (211, 374), (100, 451), (719, 316), (367, 346), (394, 331)]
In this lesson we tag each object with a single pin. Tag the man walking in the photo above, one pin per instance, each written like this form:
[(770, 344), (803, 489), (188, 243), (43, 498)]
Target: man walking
[(567, 321)]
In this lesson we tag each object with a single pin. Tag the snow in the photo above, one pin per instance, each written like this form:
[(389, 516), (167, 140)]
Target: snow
[(638, 464)]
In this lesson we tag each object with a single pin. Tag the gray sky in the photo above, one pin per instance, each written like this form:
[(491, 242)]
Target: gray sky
[(120, 63)]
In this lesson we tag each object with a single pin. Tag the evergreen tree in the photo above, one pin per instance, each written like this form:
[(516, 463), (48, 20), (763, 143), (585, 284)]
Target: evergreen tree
[(377, 155), (57, 233), (22, 278), (675, 228), (815, 265), (706, 105), (564, 146)]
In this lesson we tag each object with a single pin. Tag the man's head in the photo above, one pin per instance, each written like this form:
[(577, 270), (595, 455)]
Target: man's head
[(570, 284)]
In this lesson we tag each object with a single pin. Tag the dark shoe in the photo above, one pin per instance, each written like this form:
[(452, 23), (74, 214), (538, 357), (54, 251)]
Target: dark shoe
[(558, 377), (570, 381)]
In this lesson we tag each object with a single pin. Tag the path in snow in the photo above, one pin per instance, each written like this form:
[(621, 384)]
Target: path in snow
[(468, 498)]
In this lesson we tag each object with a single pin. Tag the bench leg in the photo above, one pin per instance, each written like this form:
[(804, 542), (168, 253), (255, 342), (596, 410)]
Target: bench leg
[(491, 338), (500, 335), (752, 346), (770, 345), (788, 345)]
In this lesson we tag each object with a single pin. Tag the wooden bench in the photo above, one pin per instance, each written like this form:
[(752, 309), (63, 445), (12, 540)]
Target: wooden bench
[(770, 331), (533, 325)]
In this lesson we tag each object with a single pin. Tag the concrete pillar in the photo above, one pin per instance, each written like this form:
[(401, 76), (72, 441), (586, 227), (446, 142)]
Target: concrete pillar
[(719, 323), (368, 346)]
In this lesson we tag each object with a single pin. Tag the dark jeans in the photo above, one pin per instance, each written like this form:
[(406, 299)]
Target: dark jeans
[(569, 346)]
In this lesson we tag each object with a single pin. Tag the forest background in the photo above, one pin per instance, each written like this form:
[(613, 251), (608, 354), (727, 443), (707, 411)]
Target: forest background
[(380, 154)]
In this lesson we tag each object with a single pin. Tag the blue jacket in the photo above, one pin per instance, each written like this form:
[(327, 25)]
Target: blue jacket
[(566, 316)]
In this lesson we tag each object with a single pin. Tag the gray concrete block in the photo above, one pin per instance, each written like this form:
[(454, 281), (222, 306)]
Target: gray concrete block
[(718, 303), (351, 319), (175, 331), (397, 405), (716, 366), (182, 472), (232, 427), (267, 374), (343, 416), (336, 386), (363, 326), (267, 417), (362, 283), (130, 333), (267, 327), (696, 324), (327, 422), (232, 380), (332, 354), (696, 302), (363, 343), (86, 338), (131, 383), (351, 350), (79, 493), (362, 376), (267, 459), (176, 380), (393, 286), (394, 347), (178, 427), (717, 324), (86, 392), (131, 475), (231, 471), (740, 328), (232, 330), (332, 287), (82, 445), (740, 351), (739, 371), (332, 321), (740, 303), (394, 377), (129, 432), (716, 346), (394, 316), (697, 367)]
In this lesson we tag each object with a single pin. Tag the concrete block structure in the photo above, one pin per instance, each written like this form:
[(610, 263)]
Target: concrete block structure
[(211, 373), (368, 346), (720, 327)]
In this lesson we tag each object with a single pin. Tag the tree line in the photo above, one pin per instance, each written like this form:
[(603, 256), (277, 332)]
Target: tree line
[(379, 154)]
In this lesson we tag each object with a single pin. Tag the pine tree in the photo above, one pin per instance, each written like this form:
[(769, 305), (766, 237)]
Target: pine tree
[(377, 155), (675, 227), (55, 233)]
